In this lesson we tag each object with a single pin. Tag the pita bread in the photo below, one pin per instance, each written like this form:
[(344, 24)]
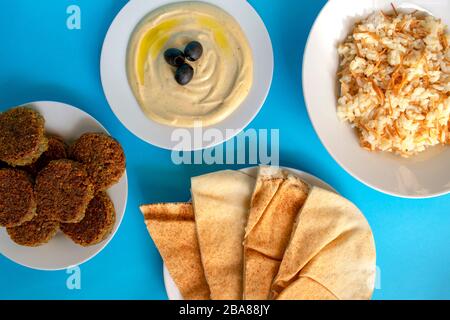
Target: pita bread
[(221, 205), (172, 228), (306, 289), (276, 202), (331, 253)]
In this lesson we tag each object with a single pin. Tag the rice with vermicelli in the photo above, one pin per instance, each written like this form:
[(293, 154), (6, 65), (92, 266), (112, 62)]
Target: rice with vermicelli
[(394, 77)]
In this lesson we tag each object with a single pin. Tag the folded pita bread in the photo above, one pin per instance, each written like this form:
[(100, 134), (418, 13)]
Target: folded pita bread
[(305, 288), (172, 228), (331, 254), (276, 202), (221, 204)]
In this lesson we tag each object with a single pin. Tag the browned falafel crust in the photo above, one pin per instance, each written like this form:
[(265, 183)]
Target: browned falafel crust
[(22, 136), (97, 224), (57, 150), (17, 201), (103, 157), (34, 233), (63, 191)]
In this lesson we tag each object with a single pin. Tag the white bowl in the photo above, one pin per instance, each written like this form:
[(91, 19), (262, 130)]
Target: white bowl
[(60, 253), (173, 293), (124, 104), (426, 175)]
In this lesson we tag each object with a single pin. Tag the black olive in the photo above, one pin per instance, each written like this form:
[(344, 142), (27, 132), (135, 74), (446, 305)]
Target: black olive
[(184, 74), (174, 57), (193, 51)]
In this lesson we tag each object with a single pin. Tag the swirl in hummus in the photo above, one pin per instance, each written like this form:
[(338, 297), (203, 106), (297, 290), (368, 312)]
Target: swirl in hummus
[(223, 75)]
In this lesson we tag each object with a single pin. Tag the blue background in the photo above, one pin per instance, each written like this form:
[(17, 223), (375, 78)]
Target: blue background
[(40, 59)]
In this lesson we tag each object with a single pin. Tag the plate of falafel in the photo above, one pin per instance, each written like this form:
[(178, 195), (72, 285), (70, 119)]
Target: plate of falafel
[(63, 185)]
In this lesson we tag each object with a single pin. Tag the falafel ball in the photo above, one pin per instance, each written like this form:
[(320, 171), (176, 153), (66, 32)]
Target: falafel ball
[(34, 233), (97, 224), (63, 191), (17, 200), (103, 157), (22, 136), (57, 149)]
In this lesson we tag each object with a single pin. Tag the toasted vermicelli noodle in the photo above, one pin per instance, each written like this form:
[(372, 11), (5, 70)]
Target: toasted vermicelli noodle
[(394, 78)]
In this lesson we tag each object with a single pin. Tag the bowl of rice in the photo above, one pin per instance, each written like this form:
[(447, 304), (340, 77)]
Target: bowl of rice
[(382, 69)]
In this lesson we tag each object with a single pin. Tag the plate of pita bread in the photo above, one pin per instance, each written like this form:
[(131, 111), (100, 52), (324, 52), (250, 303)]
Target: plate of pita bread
[(264, 233)]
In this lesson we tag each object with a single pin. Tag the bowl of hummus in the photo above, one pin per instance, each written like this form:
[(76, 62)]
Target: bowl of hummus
[(157, 83)]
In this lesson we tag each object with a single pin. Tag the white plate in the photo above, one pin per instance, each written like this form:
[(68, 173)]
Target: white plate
[(124, 104), (60, 253), (424, 176), (171, 288)]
